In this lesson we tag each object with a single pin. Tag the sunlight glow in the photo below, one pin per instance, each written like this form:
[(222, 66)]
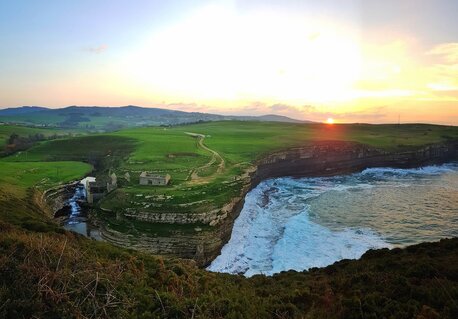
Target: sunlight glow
[(220, 59), (330, 120), (219, 55)]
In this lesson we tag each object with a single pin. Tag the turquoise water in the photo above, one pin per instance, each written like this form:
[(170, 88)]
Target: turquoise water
[(297, 224)]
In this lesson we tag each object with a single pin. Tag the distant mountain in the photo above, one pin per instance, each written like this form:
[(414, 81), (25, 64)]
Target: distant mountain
[(110, 118), (21, 110), (280, 118)]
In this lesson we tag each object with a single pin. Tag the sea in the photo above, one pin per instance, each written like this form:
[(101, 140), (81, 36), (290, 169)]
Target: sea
[(299, 223)]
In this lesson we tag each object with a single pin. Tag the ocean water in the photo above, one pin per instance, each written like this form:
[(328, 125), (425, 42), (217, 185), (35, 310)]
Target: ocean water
[(289, 223)]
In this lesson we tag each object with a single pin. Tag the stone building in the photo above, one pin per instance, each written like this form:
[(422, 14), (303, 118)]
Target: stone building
[(94, 190), (97, 188), (153, 179)]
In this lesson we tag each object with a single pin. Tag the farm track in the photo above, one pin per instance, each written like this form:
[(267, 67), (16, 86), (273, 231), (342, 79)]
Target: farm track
[(216, 157)]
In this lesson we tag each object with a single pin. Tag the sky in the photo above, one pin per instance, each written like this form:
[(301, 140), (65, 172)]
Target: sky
[(355, 61)]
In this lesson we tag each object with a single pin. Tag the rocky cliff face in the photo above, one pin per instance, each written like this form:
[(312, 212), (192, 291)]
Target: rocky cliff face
[(335, 157), (53, 200), (317, 159)]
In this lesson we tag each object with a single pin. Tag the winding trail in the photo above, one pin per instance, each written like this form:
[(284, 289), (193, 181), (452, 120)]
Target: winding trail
[(216, 157)]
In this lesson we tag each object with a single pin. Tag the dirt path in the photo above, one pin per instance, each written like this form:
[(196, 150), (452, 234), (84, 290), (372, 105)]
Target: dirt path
[(216, 157)]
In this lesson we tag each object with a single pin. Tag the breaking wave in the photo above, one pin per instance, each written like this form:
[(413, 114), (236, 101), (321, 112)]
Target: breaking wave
[(302, 223)]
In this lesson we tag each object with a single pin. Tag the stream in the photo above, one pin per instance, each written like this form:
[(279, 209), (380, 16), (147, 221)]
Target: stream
[(77, 218)]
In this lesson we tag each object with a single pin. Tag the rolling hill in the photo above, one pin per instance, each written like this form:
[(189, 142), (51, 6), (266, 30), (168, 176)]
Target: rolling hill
[(112, 118)]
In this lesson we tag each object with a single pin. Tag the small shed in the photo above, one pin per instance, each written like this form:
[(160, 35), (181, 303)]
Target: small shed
[(154, 179)]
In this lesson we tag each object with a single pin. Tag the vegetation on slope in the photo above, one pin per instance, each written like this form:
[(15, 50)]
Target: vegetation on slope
[(51, 275), (16, 138), (24, 131)]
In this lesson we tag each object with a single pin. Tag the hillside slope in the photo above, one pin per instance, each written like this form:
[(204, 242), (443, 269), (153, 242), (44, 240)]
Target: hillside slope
[(60, 275)]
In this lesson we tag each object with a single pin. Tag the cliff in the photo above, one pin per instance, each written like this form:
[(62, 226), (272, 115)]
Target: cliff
[(336, 157), (316, 159)]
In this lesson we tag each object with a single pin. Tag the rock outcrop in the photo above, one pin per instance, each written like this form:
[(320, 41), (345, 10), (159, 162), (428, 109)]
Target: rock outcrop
[(54, 199)]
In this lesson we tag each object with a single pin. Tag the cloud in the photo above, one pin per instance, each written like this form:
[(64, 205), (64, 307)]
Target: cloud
[(443, 75), (313, 113), (448, 52), (442, 87), (255, 107), (97, 50), (372, 115), (280, 107), (188, 107)]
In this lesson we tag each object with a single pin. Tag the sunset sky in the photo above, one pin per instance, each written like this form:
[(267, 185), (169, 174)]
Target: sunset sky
[(354, 61)]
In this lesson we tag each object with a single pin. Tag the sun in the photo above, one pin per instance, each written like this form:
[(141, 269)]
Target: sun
[(330, 120)]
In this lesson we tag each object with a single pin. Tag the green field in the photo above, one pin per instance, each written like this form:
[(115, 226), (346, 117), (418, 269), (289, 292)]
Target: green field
[(17, 177), (92, 149), (204, 168)]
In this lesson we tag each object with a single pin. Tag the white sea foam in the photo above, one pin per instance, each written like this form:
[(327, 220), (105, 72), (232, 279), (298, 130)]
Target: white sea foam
[(275, 230), (305, 244), (426, 170), (280, 236)]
